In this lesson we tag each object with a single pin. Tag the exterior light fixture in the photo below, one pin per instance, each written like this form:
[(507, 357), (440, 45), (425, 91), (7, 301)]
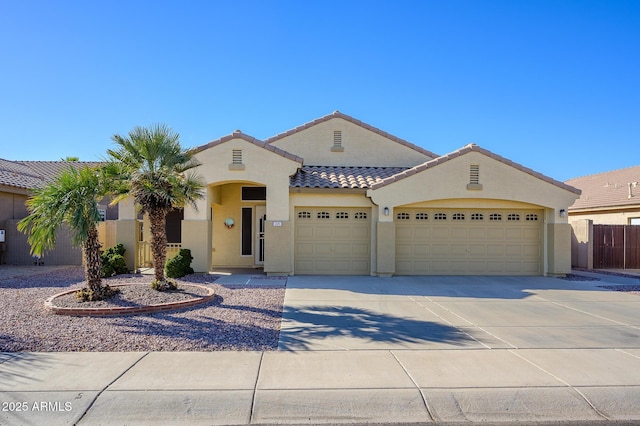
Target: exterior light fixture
[(386, 211), (563, 213)]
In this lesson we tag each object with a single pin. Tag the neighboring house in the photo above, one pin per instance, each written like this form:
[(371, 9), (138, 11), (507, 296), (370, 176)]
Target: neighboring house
[(611, 202), (610, 198), (17, 179), (338, 196)]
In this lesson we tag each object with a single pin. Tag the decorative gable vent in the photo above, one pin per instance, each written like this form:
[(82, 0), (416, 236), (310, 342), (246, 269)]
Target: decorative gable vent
[(337, 141), (474, 178), (236, 160)]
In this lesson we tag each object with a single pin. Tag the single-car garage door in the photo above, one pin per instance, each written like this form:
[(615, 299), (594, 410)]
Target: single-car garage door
[(468, 242), (332, 240)]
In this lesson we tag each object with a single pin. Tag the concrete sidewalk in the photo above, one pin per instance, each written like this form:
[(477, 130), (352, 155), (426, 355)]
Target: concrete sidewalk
[(478, 349), (405, 386)]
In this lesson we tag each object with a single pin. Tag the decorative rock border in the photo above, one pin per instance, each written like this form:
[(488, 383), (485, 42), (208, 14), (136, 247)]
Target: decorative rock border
[(128, 310)]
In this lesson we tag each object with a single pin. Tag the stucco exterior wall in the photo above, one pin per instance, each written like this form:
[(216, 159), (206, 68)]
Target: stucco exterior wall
[(582, 243), (361, 147), (499, 182), (227, 242), (620, 217)]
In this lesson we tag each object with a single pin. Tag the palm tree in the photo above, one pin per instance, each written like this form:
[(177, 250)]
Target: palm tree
[(159, 175), (71, 199)]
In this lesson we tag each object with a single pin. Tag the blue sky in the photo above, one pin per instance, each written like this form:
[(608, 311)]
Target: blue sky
[(553, 85)]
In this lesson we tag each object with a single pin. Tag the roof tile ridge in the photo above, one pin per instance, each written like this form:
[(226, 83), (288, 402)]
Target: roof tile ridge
[(604, 173)]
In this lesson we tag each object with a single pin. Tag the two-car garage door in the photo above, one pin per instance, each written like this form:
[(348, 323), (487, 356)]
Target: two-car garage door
[(337, 240), (332, 240), (466, 242)]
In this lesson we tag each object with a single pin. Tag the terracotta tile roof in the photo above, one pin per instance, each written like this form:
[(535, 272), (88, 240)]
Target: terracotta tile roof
[(609, 189), (344, 177), (338, 114), (465, 150), (239, 135), (33, 174)]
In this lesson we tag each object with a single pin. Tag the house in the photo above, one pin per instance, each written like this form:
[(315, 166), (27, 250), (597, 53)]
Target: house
[(605, 219), (339, 196), (610, 198), (17, 180)]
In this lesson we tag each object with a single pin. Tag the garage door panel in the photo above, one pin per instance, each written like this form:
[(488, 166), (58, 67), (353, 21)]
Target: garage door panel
[(439, 250), (332, 241), (480, 246), (477, 234), (497, 234), (404, 233), (440, 233)]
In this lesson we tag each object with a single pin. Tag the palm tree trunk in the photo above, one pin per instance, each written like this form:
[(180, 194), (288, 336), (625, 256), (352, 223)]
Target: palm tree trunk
[(157, 219), (93, 262)]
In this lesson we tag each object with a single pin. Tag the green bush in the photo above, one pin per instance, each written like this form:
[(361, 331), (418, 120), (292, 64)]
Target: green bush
[(113, 261), (180, 265)]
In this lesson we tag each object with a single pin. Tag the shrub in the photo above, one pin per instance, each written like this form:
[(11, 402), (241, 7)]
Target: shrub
[(87, 295), (113, 261), (180, 265)]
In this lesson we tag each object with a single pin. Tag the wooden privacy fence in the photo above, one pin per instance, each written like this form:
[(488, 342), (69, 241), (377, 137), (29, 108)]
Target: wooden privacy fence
[(616, 246)]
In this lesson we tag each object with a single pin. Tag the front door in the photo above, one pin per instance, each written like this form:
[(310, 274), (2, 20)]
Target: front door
[(261, 219)]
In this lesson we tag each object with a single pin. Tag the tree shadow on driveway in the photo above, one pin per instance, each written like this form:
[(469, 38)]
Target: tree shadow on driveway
[(306, 327)]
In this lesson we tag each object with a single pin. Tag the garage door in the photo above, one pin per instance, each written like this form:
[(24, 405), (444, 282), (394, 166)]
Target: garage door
[(332, 241), (466, 242)]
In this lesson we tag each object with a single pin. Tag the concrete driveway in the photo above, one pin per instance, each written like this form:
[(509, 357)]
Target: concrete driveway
[(349, 313)]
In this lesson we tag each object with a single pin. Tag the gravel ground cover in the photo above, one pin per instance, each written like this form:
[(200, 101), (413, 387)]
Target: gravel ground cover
[(239, 318)]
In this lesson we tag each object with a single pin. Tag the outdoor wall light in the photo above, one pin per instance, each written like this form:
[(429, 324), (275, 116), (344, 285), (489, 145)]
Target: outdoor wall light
[(386, 211), (229, 223), (563, 213)]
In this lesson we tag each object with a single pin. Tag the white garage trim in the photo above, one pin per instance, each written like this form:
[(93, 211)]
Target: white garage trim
[(469, 241), (332, 240)]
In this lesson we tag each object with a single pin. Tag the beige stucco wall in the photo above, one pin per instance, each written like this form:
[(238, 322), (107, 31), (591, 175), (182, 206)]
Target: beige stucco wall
[(226, 243), (503, 186), (261, 167), (361, 146), (581, 243), (620, 217), (499, 181)]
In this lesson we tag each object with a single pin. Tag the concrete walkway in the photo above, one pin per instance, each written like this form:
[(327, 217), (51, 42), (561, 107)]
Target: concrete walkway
[(369, 350)]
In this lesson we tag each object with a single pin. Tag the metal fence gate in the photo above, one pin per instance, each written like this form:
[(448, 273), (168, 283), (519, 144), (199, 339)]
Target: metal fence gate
[(616, 246)]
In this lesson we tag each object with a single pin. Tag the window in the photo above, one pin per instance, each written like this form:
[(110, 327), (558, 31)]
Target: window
[(403, 216), (247, 231), (342, 215), (440, 216), (495, 217), (304, 215), (360, 215), (236, 156), (323, 215), (531, 217), (634, 221), (458, 216), (513, 217), (422, 216), (477, 216), (103, 214), (254, 193)]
